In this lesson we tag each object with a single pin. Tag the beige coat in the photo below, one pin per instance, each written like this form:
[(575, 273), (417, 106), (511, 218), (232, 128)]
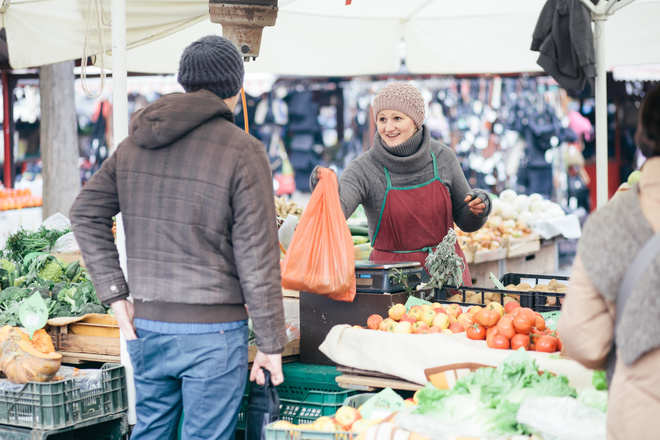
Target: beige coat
[(586, 328)]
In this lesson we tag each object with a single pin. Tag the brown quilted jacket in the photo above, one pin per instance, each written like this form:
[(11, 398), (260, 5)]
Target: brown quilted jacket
[(196, 197)]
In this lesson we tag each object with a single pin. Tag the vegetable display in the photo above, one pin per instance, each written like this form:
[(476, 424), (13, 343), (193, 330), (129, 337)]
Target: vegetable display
[(513, 327), (484, 403), (23, 242), (65, 288), (23, 360)]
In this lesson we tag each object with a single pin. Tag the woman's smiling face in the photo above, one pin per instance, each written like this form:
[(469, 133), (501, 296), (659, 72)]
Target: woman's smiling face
[(394, 127)]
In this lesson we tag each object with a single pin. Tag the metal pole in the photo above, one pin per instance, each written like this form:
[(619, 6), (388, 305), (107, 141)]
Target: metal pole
[(120, 132), (6, 130), (602, 187)]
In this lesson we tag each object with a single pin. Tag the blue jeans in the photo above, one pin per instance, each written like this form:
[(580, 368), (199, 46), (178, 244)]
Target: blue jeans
[(201, 375)]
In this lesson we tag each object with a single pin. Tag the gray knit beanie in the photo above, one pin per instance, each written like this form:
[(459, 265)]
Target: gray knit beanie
[(401, 97), (212, 63)]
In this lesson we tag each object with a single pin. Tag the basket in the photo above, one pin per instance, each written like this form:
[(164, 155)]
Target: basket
[(304, 434), (61, 404), (533, 299), (308, 392)]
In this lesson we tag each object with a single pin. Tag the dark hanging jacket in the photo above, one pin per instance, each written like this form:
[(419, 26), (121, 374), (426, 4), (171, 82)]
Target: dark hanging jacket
[(565, 41)]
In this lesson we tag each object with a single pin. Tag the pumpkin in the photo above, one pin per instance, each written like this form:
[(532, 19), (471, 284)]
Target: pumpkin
[(24, 360)]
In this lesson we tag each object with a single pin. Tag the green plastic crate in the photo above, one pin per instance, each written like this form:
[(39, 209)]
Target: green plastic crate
[(303, 434), (307, 393), (51, 405)]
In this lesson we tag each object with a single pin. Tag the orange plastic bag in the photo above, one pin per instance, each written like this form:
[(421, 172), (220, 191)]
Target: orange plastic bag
[(320, 258)]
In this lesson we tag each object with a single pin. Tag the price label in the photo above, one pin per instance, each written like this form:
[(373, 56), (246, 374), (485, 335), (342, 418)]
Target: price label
[(33, 313)]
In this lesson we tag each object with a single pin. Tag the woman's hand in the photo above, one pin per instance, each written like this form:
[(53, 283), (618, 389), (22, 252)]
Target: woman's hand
[(477, 206)]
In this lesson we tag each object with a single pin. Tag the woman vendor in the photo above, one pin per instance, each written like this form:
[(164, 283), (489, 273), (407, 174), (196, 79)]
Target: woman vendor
[(412, 187)]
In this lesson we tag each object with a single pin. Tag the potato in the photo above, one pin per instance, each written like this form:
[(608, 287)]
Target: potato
[(455, 298), (562, 290), (540, 287), (559, 286), (474, 297), (511, 287), (524, 286), (513, 296), (550, 301), (552, 284), (508, 299)]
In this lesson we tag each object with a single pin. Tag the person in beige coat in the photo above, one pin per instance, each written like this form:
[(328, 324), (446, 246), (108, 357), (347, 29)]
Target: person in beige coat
[(612, 237)]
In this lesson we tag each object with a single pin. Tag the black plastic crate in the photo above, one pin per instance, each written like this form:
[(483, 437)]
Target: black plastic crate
[(534, 299), (540, 296)]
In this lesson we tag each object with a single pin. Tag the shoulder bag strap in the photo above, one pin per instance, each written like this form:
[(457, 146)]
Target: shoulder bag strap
[(640, 263), (635, 270)]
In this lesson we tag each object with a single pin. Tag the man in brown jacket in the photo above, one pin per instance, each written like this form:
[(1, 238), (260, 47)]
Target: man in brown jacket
[(196, 197), (612, 237)]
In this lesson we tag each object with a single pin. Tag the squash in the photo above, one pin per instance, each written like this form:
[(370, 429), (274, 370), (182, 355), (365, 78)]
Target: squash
[(24, 360)]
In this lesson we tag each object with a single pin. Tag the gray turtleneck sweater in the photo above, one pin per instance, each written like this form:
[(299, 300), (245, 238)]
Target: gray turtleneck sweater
[(363, 181)]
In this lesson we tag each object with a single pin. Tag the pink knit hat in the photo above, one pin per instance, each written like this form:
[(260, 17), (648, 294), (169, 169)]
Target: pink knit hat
[(401, 97)]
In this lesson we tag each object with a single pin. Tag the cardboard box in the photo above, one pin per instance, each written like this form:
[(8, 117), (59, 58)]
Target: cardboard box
[(318, 314)]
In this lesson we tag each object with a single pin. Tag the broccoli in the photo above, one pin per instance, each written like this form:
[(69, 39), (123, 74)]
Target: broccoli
[(66, 296), (88, 308), (51, 271), (20, 281), (7, 265)]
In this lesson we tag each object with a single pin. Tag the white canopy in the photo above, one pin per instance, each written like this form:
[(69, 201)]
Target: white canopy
[(324, 37)]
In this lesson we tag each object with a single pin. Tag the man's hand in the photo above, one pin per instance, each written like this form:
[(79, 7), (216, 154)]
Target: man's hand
[(124, 313), (476, 206), (272, 362)]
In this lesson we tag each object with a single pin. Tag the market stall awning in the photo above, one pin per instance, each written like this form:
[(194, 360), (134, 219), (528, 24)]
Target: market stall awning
[(329, 38)]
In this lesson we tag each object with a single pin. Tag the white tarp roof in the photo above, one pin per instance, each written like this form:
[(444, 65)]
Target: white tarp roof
[(325, 37)]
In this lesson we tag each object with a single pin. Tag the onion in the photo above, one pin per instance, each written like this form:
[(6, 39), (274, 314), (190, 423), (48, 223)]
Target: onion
[(507, 196), (521, 203), (535, 197), (508, 211), (527, 217), (497, 206)]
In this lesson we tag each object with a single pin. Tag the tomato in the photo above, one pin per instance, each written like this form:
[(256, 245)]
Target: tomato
[(505, 328), (526, 311), (547, 344), (520, 340), (511, 306), (500, 342), (523, 323), (487, 317), (476, 332), (540, 323), (490, 334)]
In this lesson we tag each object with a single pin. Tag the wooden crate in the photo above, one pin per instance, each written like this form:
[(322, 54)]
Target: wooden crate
[(291, 351), (541, 262), (518, 247), (480, 273), (93, 339)]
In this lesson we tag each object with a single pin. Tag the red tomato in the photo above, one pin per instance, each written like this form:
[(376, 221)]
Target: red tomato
[(505, 328), (540, 323), (526, 311), (520, 340), (476, 332), (487, 317), (500, 342), (523, 323), (490, 334), (547, 344)]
